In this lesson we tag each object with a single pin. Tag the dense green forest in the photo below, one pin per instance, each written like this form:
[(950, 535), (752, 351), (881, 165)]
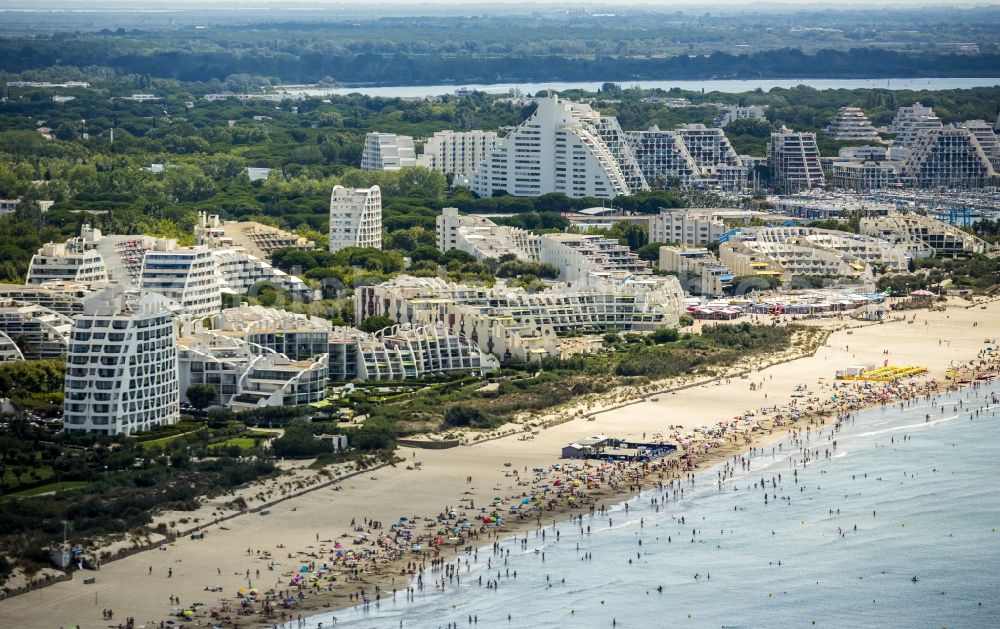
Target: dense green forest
[(360, 46), (396, 68)]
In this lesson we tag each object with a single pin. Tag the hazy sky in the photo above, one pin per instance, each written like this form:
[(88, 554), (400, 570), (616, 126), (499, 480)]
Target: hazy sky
[(139, 4)]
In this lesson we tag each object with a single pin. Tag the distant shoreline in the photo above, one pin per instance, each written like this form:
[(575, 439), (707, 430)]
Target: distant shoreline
[(709, 85)]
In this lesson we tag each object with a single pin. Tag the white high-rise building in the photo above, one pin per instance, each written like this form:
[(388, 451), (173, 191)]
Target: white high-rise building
[(121, 370), (794, 160), (662, 155), (355, 218), (906, 115), (457, 153), (987, 139), (693, 155), (560, 148), (948, 157), (851, 123), (187, 275), (387, 151), (907, 125)]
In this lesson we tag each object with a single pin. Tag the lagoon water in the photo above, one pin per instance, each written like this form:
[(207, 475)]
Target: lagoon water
[(712, 85), (936, 504)]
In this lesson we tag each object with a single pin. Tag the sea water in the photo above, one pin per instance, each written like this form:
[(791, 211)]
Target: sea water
[(900, 497)]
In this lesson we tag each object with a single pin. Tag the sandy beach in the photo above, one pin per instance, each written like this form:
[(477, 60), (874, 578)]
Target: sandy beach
[(141, 586)]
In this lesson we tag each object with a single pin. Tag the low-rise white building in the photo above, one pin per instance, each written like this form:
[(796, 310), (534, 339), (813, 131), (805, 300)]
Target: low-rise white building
[(515, 325), (65, 298), (580, 258), (853, 248), (297, 336), (404, 351), (245, 378), (922, 236), (40, 332), (121, 370), (700, 272), (243, 273), (863, 176), (686, 226), (732, 113), (255, 238)]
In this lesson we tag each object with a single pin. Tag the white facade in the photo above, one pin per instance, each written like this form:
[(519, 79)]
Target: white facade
[(857, 250), (518, 326), (404, 351), (44, 333), (297, 336), (65, 298), (457, 153), (987, 139), (686, 227), (66, 262), (355, 218), (948, 157), (590, 259), (923, 236), (863, 153), (699, 271), (662, 155), (755, 258), (245, 378), (863, 176), (851, 124), (241, 271), (695, 155), (482, 238), (794, 161), (732, 113), (907, 125), (387, 151), (91, 257), (580, 258), (186, 275), (121, 371), (560, 148)]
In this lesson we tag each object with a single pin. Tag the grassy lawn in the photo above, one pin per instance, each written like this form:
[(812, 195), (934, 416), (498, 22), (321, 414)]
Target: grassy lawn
[(33, 475), (159, 442), (44, 489), (244, 443)]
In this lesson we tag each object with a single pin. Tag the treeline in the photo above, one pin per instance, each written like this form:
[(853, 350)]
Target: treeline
[(397, 67)]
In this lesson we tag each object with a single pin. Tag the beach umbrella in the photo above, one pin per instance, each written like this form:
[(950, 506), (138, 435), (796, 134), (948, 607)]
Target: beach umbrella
[(525, 501), (304, 569)]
